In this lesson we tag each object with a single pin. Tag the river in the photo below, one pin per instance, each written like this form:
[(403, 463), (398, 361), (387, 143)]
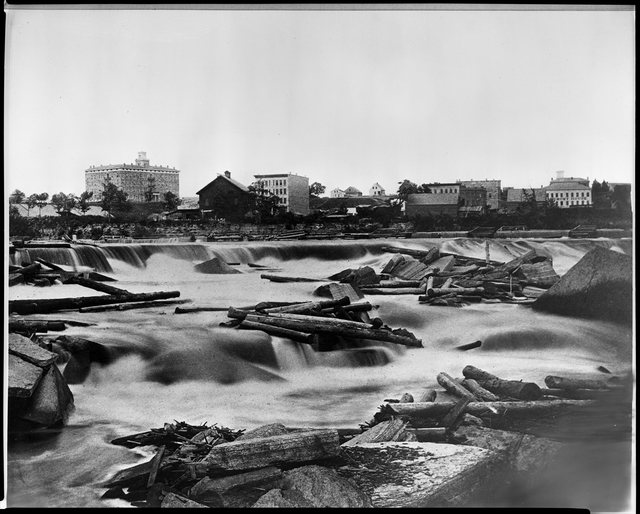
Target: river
[(185, 367)]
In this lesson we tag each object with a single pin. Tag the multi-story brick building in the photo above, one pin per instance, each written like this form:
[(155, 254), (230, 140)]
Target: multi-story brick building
[(493, 188), (292, 190), (136, 179)]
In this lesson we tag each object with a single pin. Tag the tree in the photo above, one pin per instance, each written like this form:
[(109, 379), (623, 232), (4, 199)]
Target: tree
[(32, 201), (151, 188), (424, 188), (17, 197), (113, 198), (265, 203), (171, 201), (83, 201), (621, 197), (316, 189), (407, 188), (63, 203), (41, 201)]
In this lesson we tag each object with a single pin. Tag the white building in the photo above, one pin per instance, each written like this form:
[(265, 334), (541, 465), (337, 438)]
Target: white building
[(377, 190), (292, 190), (337, 193), (569, 192)]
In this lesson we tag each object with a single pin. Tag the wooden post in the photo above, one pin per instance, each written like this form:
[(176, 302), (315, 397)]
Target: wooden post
[(510, 388)]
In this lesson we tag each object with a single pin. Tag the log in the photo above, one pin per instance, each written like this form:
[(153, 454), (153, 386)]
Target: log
[(478, 391), (432, 410), (469, 346), (510, 388), (428, 395), (97, 286), (294, 335), (280, 278), (319, 325), (573, 383), (429, 435), (408, 251), (155, 464), (267, 451), (406, 398), (56, 304), (455, 290), (453, 418), (30, 269), (392, 291), (577, 394), (36, 326), (392, 284), (131, 306), (309, 306), (54, 267), (319, 320), (382, 432), (453, 387)]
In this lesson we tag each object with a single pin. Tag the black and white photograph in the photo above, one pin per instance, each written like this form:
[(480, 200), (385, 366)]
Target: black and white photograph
[(319, 255)]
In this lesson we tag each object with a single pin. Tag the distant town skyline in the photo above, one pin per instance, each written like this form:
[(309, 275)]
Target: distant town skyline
[(345, 98)]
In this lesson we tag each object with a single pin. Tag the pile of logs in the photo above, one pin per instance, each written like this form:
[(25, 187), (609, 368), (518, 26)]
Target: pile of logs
[(480, 398), (324, 324)]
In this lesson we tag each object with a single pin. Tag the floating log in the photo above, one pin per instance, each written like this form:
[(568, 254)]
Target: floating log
[(50, 264), (478, 391), (453, 387), (320, 325), (397, 283), (186, 310), (280, 278), (469, 346), (55, 304), (294, 335), (574, 383), (432, 410), (131, 306), (455, 290), (36, 326), (97, 286), (510, 388), (266, 451), (408, 251), (314, 320)]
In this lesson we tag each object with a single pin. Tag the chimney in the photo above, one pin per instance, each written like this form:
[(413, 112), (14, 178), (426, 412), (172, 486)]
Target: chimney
[(227, 174)]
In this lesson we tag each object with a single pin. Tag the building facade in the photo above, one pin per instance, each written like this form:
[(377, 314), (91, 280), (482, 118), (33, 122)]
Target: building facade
[(351, 192), (377, 190), (337, 193), (224, 197), (569, 192), (432, 204), (136, 179), (493, 188), (447, 188), (292, 190)]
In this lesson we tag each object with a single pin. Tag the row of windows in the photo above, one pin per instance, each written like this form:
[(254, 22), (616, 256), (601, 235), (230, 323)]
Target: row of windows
[(573, 202), (583, 194), (274, 182)]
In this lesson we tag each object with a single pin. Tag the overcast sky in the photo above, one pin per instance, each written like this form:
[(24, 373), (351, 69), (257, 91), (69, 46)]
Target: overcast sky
[(345, 98)]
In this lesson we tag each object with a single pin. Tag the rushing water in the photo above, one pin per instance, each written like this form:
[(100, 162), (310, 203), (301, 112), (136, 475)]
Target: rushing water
[(186, 367)]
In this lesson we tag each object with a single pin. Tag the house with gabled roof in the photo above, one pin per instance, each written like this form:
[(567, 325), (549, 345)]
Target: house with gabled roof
[(224, 197)]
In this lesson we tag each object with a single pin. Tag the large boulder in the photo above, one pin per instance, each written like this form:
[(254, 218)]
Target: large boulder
[(598, 286), (215, 266)]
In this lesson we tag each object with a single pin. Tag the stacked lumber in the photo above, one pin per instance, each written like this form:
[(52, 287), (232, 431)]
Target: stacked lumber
[(323, 324)]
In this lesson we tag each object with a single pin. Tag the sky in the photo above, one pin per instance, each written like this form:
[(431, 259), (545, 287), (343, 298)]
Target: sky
[(343, 97)]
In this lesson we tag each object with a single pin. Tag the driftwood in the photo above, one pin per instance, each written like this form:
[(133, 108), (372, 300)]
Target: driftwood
[(453, 387), (408, 251), (36, 326), (334, 326), (294, 335), (469, 346), (266, 451), (308, 306), (510, 388), (280, 278), (428, 395), (453, 418), (430, 435), (574, 383), (431, 410), (455, 290), (386, 431), (577, 394), (95, 285), (56, 304), (29, 269), (392, 291), (131, 306)]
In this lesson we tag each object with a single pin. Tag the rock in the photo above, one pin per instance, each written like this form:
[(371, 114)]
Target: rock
[(24, 377), (323, 487), (540, 274), (237, 491), (277, 498), (174, 501), (27, 350), (264, 431), (215, 266), (599, 286), (51, 402), (362, 276)]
